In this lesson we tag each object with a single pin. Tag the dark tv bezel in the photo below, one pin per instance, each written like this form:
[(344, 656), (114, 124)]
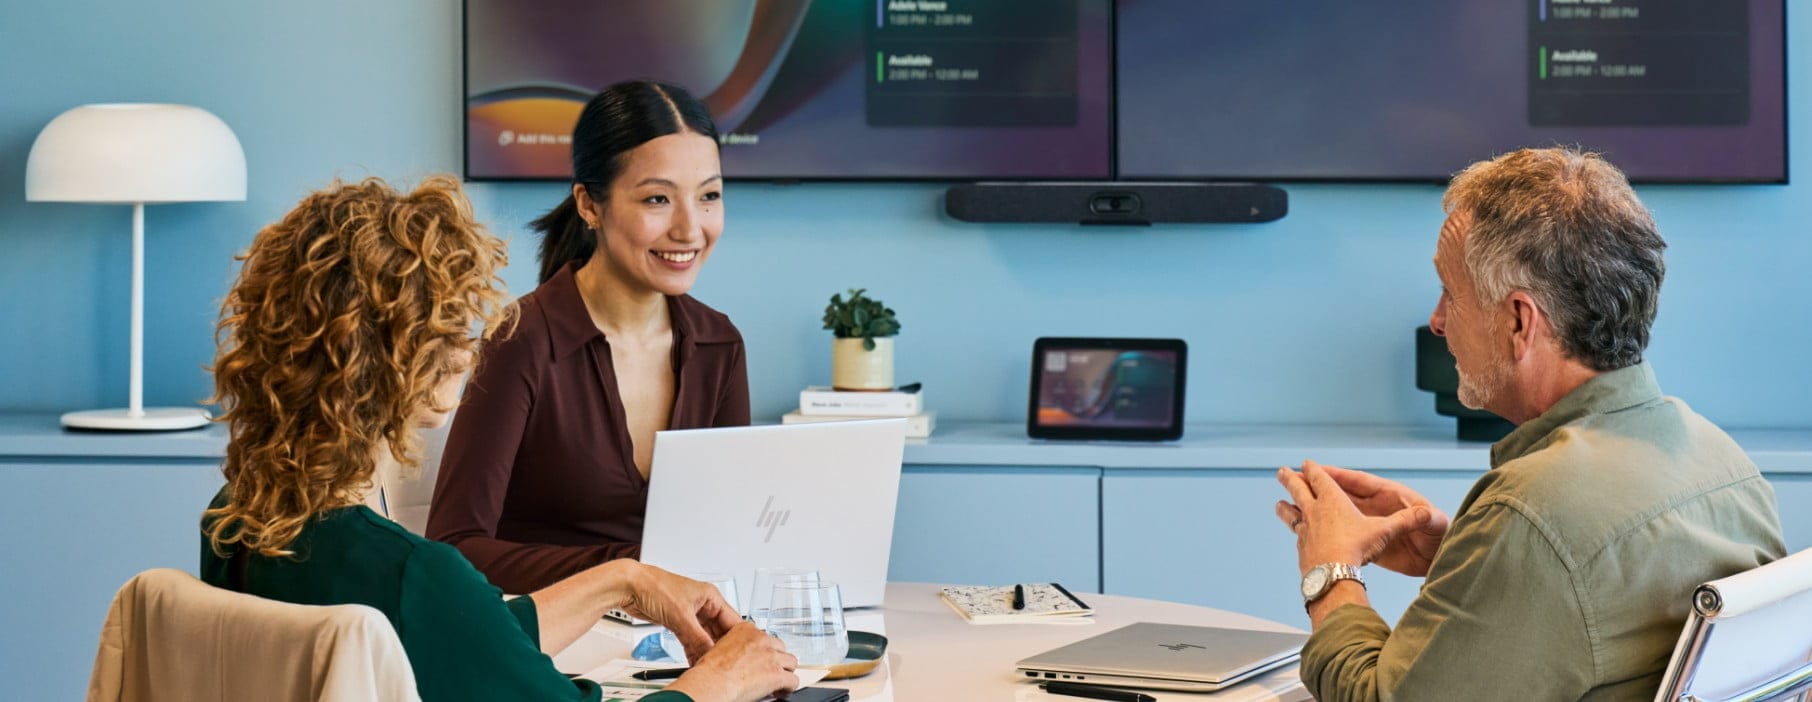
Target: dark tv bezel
[(1786, 142), (1169, 432), (1113, 130)]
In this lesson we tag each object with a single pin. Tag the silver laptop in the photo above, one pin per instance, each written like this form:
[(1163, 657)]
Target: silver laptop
[(817, 496), (1167, 657)]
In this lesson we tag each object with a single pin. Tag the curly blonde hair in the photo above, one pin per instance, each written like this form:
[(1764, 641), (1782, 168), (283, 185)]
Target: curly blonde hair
[(346, 316)]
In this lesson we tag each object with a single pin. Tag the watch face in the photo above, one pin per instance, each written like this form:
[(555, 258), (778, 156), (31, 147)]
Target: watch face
[(1314, 581)]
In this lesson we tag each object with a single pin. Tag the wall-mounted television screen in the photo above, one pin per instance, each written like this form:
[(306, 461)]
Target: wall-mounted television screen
[(1669, 90), (804, 89)]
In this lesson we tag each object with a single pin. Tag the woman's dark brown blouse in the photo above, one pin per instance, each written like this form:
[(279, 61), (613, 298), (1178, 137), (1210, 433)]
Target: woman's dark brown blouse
[(538, 480)]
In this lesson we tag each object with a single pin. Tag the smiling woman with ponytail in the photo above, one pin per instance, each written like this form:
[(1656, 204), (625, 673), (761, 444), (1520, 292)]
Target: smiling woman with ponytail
[(546, 468)]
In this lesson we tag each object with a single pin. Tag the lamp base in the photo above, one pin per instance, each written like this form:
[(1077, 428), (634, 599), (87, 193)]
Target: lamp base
[(152, 419)]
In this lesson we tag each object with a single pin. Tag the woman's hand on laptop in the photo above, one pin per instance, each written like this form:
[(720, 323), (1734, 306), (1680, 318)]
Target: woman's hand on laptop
[(695, 612), (745, 666)]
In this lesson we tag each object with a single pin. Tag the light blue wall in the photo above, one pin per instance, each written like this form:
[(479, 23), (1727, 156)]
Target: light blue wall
[(1304, 320)]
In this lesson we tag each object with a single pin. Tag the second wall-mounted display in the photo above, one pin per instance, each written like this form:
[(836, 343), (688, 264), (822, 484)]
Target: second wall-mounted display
[(1669, 90)]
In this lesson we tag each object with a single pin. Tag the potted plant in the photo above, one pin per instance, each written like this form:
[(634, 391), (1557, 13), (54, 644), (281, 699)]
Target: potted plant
[(862, 352)]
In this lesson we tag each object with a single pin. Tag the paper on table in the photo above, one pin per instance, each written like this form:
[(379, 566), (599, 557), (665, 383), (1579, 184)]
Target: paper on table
[(615, 678), (1281, 685)]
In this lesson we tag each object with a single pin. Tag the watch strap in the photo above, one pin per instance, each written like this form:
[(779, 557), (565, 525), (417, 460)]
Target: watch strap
[(1336, 572), (1343, 571)]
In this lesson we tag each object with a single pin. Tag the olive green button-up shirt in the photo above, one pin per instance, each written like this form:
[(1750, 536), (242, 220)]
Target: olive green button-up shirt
[(1568, 570)]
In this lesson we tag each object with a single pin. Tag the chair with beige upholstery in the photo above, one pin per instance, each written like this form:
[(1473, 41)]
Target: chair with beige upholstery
[(169, 636), (1749, 638)]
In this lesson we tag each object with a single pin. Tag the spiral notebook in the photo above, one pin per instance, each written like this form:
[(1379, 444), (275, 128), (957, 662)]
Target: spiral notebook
[(981, 604)]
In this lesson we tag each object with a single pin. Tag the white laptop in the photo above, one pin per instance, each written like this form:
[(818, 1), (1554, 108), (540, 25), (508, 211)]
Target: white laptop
[(1167, 657), (818, 496)]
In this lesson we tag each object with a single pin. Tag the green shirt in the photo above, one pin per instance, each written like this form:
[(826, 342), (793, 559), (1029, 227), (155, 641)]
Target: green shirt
[(1568, 571), (463, 640)]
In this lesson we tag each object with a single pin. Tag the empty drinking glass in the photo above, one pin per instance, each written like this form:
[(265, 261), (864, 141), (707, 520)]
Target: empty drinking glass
[(808, 618), (725, 584), (762, 597)]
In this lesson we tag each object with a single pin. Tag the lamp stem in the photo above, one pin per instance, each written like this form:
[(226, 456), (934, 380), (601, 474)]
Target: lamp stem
[(136, 407)]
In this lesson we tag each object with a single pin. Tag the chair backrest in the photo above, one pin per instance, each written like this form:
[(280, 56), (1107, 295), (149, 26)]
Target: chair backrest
[(169, 636), (1749, 637), (410, 499)]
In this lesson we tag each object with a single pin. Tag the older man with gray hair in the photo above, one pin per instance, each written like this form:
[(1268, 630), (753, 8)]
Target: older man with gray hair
[(1566, 572)]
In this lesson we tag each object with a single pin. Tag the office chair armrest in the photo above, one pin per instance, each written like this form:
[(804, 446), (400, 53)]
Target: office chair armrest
[(1781, 687)]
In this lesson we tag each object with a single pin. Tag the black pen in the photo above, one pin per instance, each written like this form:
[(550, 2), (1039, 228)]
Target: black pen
[(660, 673), (1095, 693), (1019, 597), (1067, 593)]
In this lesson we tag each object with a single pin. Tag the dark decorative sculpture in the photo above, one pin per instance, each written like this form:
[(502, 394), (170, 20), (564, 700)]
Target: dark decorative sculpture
[(1436, 373)]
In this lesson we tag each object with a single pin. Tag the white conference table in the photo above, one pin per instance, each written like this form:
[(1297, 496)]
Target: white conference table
[(933, 654)]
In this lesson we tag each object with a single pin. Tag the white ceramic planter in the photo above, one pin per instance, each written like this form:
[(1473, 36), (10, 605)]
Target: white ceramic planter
[(857, 368)]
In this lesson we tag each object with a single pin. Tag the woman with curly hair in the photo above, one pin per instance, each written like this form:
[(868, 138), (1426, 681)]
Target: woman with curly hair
[(350, 328)]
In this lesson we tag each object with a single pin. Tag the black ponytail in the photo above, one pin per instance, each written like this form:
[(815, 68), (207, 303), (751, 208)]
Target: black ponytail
[(564, 237), (621, 117)]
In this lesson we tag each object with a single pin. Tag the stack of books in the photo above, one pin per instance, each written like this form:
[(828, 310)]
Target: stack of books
[(823, 404)]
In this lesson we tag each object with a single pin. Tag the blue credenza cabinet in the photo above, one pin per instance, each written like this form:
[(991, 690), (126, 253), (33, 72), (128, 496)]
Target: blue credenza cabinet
[(79, 515), (1187, 521), (998, 525)]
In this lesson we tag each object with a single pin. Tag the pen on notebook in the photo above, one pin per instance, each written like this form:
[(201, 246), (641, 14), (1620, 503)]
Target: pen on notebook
[(1095, 693), (1019, 597), (660, 674), (1067, 593)]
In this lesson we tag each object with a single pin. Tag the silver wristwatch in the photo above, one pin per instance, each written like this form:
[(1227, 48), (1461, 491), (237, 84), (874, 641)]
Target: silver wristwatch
[(1320, 579)]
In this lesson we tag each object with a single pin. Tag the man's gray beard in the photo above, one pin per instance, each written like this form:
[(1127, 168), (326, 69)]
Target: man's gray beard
[(1477, 392)]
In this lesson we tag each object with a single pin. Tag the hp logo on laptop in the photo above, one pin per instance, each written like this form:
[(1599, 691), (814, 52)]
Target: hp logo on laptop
[(771, 518), (1179, 647)]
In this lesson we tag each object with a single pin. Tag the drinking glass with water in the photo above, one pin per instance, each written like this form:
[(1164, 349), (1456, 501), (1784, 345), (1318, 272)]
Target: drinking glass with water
[(761, 598), (808, 618)]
